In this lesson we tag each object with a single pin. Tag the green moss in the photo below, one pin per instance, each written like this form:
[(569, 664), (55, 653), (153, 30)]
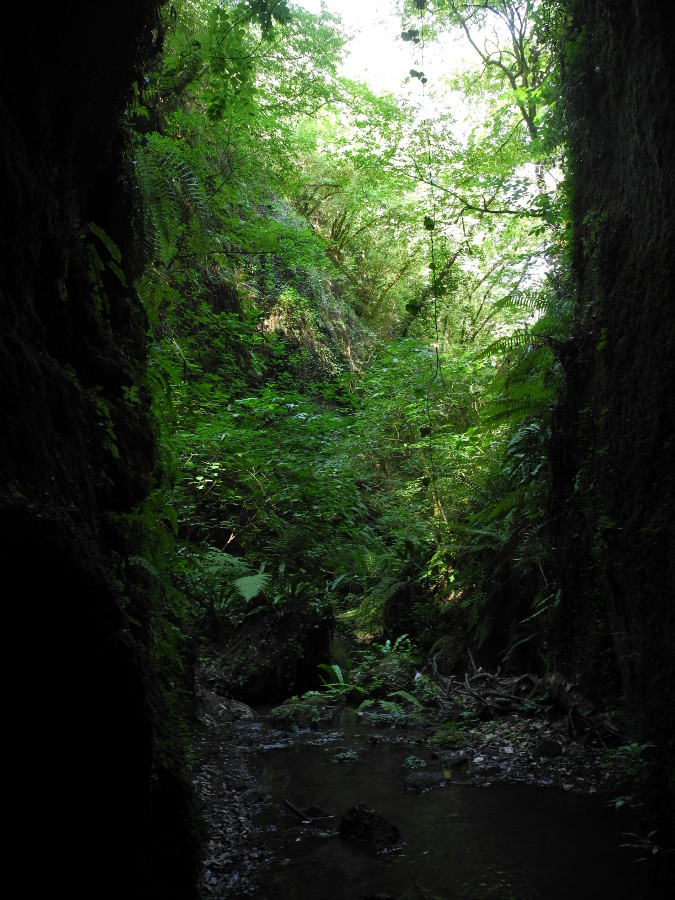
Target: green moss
[(449, 736), (297, 712)]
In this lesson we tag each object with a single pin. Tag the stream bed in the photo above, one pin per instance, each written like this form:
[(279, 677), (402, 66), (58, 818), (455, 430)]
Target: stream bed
[(460, 841)]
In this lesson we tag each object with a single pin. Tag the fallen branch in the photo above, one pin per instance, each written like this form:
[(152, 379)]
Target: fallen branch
[(423, 892), (295, 809), (579, 709)]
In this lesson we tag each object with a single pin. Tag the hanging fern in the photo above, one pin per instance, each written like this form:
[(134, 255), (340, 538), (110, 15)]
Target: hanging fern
[(532, 302), (171, 197), (511, 409), (507, 344)]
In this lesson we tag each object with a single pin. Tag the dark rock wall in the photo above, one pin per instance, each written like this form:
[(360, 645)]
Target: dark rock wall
[(613, 450), (76, 458)]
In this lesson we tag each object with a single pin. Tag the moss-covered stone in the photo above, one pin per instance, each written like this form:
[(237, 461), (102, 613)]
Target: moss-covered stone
[(448, 736), (297, 712)]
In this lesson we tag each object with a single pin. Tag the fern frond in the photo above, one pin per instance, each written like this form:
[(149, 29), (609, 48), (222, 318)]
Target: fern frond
[(386, 588), (334, 672), (391, 708), (534, 302), (405, 695), (249, 586), (388, 707), (145, 564), (506, 344), (515, 409), (170, 196), (217, 563), (179, 179)]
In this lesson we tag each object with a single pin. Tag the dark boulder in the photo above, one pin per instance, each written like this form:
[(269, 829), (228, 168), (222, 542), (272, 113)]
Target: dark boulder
[(363, 826), (421, 782)]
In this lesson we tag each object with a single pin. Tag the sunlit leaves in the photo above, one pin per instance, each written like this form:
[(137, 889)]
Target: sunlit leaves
[(345, 300)]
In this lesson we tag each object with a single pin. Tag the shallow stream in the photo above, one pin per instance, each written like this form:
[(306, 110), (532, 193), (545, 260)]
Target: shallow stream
[(460, 842)]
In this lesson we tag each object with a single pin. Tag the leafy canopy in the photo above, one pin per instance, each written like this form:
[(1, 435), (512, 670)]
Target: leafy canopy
[(355, 302)]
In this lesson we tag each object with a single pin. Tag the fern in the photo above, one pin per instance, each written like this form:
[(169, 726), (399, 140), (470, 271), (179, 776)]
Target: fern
[(222, 566), (249, 586), (142, 563), (334, 672), (511, 410), (388, 707), (533, 302), (171, 196), (405, 695), (507, 344), (391, 708)]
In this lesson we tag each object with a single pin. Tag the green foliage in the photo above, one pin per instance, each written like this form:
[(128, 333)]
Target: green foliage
[(249, 586), (221, 585), (384, 709), (402, 644), (346, 756), (388, 711), (172, 199), (449, 736), (390, 676), (354, 318), (631, 765), (337, 685)]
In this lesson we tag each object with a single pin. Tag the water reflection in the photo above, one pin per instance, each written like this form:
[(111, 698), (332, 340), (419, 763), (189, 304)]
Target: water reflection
[(461, 842)]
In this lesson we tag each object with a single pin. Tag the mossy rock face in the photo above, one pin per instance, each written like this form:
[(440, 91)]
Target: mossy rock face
[(297, 712), (77, 460), (611, 450), (273, 655)]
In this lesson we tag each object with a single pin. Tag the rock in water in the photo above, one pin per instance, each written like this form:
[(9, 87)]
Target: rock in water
[(370, 830), (420, 782)]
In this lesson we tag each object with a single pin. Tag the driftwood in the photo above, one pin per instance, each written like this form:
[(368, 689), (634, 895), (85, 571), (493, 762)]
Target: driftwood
[(581, 713), (496, 695), (309, 813)]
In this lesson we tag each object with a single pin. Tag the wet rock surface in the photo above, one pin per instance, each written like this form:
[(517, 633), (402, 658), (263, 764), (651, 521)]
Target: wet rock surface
[(424, 781)]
